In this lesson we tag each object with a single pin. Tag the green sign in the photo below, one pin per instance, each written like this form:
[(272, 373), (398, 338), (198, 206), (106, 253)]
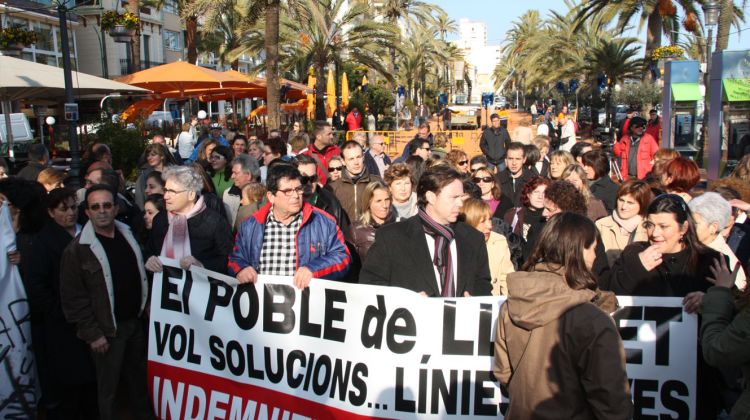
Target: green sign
[(737, 90), (683, 92)]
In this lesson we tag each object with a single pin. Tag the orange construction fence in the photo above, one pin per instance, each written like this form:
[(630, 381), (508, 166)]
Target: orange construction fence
[(396, 141)]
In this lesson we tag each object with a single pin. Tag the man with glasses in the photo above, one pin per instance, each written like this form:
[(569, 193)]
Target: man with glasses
[(289, 237), (636, 150), (350, 188), (376, 161), (103, 291)]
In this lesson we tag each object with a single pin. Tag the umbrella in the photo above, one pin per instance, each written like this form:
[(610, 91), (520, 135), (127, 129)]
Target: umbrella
[(331, 93), (311, 97), (345, 91), (181, 76), (22, 79)]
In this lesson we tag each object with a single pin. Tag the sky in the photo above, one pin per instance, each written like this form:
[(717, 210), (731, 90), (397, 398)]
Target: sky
[(498, 15)]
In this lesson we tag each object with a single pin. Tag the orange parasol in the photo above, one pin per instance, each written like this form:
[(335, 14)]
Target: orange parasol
[(181, 76)]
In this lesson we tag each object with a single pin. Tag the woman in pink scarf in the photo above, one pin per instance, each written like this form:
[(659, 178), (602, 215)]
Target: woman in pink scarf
[(188, 231)]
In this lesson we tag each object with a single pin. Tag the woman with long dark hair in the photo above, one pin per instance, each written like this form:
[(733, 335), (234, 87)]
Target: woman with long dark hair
[(672, 263), (221, 169), (555, 337)]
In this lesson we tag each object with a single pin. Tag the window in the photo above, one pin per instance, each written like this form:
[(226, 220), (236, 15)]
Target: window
[(44, 37), (172, 40), (170, 6)]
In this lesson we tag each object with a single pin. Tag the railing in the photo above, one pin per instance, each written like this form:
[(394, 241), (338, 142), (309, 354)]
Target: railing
[(124, 66), (396, 141)]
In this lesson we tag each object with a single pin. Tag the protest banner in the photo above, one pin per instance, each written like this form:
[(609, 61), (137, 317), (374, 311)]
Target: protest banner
[(18, 387), (335, 350)]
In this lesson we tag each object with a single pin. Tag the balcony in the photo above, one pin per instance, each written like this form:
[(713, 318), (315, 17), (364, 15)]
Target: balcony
[(125, 65)]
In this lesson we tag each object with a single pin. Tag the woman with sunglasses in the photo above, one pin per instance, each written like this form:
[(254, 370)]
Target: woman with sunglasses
[(491, 192), (188, 231), (156, 157), (671, 263), (459, 160), (335, 168)]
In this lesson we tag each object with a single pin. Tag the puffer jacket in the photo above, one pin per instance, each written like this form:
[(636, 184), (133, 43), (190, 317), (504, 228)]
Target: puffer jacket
[(349, 192), (320, 244), (725, 338), (645, 157), (558, 352)]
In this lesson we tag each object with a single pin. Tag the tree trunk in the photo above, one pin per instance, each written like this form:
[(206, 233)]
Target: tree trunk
[(272, 63), (191, 38), (133, 6), (653, 40), (725, 23), (320, 89)]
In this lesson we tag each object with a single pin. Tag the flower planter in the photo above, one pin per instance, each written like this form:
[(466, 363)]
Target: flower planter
[(121, 34), (13, 50)]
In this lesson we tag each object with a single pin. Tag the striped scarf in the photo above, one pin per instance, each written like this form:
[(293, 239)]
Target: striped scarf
[(443, 235)]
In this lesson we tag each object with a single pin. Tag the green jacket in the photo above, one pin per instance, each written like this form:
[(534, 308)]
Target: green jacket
[(725, 338)]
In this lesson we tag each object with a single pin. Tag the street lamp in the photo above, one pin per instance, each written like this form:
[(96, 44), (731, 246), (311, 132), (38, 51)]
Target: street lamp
[(711, 19), (50, 123)]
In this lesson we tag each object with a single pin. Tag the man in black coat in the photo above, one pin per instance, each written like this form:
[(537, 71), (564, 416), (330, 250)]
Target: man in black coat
[(596, 164), (514, 177), (318, 196), (494, 142), (431, 253)]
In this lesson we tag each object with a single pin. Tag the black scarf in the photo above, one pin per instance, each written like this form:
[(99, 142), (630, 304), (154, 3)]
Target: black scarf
[(443, 235)]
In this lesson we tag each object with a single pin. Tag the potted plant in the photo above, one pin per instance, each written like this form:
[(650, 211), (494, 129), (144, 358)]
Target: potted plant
[(121, 26), (14, 39)]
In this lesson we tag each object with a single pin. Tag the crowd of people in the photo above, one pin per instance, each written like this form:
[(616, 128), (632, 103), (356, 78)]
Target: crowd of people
[(543, 223)]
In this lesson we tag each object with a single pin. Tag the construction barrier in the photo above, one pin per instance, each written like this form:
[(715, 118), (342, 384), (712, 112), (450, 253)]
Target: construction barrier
[(396, 141)]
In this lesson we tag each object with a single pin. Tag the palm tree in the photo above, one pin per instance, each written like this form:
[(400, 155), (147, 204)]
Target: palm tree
[(617, 60), (659, 16), (323, 33), (396, 11), (729, 15)]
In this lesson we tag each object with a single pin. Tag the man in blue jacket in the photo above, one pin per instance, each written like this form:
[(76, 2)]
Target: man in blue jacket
[(288, 236)]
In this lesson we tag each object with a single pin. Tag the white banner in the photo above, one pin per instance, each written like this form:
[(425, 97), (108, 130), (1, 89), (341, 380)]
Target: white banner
[(17, 368), (335, 350)]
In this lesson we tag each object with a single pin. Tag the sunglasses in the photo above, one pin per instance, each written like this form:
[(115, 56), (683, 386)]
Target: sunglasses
[(478, 179), (462, 162), (105, 206), (306, 180), (335, 168)]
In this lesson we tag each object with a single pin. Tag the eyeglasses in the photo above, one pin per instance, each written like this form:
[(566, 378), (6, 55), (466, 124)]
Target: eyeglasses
[(105, 206), (306, 180), (462, 162), (299, 190), (172, 192), (216, 157), (479, 179), (335, 168)]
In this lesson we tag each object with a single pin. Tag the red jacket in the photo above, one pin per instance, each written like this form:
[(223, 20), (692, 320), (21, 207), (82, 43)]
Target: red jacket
[(322, 157), (353, 121), (645, 158)]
